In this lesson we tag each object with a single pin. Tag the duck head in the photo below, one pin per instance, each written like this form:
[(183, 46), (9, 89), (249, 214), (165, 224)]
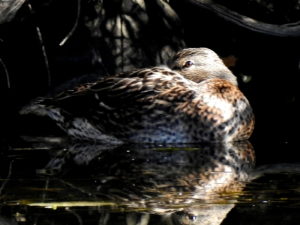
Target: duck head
[(198, 64)]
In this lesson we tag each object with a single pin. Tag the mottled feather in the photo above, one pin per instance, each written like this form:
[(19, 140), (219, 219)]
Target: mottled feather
[(197, 100)]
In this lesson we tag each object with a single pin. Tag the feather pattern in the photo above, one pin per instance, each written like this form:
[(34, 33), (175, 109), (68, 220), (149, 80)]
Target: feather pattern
[(192, 102)]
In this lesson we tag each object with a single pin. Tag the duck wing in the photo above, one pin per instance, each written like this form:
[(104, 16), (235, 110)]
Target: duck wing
[(117, 98), (122, 91)]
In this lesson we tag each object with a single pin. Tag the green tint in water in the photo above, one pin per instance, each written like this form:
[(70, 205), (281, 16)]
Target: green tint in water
[(94, 184)]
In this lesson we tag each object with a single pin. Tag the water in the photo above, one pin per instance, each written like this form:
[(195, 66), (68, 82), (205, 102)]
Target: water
[(53, 181)]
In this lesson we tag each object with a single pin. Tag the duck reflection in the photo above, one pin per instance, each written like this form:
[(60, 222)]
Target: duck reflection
[(196, 184)]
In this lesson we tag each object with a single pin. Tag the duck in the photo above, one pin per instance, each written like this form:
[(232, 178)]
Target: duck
[(194, 99)]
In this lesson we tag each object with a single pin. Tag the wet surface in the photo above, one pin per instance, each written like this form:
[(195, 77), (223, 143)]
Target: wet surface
[(53, 181)]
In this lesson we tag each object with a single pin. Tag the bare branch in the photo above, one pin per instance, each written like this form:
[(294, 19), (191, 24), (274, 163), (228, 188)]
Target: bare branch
[(43, 49), (8, 9), (282, 30), (74, 26), (5, 72)]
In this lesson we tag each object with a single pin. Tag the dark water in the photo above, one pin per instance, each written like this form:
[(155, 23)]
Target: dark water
[(47, 181)]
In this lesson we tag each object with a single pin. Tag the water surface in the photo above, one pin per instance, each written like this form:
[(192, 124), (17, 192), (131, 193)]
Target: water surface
[(53, 181)]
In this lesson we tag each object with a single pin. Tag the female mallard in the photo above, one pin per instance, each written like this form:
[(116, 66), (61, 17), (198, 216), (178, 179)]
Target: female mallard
[(196, 101)]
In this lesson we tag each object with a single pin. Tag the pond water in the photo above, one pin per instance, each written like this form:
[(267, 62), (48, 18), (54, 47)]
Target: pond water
[(47, 181)]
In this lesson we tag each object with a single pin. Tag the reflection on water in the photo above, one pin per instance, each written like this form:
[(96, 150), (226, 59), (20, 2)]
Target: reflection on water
[(132, 184)]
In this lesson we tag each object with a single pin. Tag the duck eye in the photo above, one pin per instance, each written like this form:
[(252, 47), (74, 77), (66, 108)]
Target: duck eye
[(188, 64)]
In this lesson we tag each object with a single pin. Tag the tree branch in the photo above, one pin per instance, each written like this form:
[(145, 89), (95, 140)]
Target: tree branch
[(283, 30)]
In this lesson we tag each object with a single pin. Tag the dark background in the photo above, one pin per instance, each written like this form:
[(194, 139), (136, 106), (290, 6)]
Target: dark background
[(267, 66)]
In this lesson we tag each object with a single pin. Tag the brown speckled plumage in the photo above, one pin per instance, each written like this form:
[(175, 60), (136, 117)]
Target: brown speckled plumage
[(197, 100)]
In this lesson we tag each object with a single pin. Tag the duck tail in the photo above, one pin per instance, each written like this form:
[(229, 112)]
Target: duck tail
[(76, 127), (40, 107)]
